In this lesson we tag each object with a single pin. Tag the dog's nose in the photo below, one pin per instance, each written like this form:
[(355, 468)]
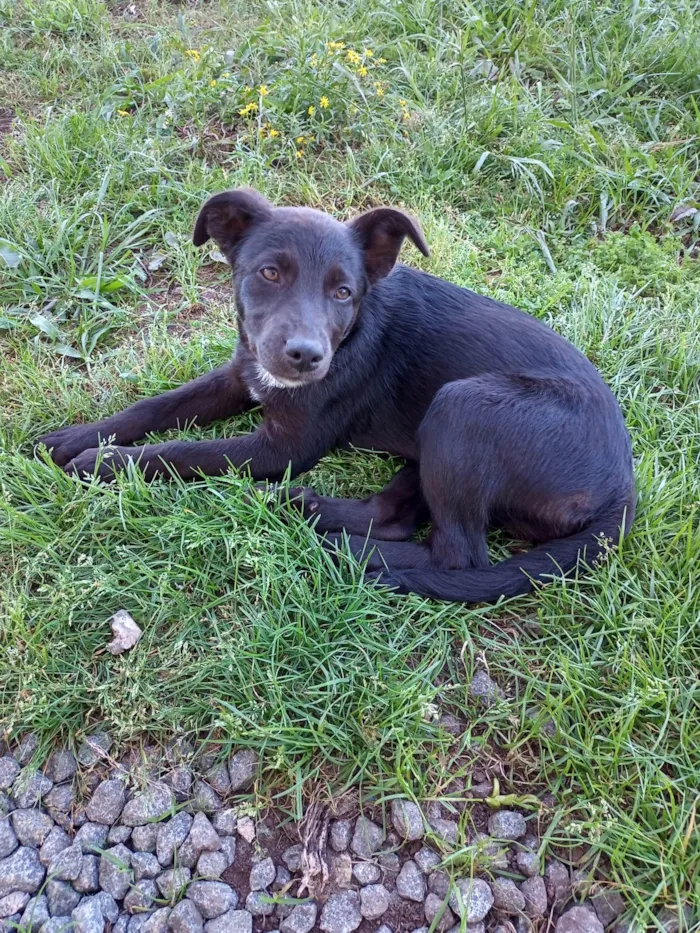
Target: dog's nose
[(303, 354)]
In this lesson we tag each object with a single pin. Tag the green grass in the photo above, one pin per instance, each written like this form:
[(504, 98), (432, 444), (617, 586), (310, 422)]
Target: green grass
[(546, 149)]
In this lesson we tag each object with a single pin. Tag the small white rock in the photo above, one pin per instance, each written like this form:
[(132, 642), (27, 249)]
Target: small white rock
[(126, 632)]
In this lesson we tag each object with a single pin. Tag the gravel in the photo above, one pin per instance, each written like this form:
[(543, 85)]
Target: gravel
[(141, 896), (145, 865), (173, 881), (31, 827), (9, 769), (107, 802), (212, 898), (407, 820), (242, 769), (61, 766), (340, 835), (171, 835), (426, 859), (292, 857), (13, 904), (262, 875), (366, 872), (535, 894), (472, 898), (435, 907), (92, 837), (374, 901), (507, 897), (507, 824), (258, 904), (153, 804), (528, 863), (341, 913), (234, 921), (60, 798), (31, 791), (21, 871), (185, 918), (118, 834), (88, 881), (225, 822), (88, 917), (94, 748), (8, 838), (557, 883), (62, 898), (579, 920), (66, 865), (410, 882), (115, 871), (301, 919), (367, 838), (202, 836), (36, 913), (446, 830), (56, 841), (608, 905), (204, 798), (145, 838), (212, 864)]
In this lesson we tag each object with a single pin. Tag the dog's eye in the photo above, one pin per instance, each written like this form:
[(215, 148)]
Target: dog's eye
[(342, 293), (270, 273)]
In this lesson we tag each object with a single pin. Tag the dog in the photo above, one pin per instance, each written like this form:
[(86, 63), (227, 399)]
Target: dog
[(501, 421)]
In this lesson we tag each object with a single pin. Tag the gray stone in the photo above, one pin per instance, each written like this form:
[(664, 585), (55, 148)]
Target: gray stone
[(173, 881), (65, 866), (673, 922), (262, 875), (153, 804), (213, 898), (490, 854), (92, 838), (535, 895), (407, 819), (187, 855), (390, 863), (435, 907), (374, 901), (118, 834), (62, 898), (107, 802), (31, 827), (9, 769), (341, 913), (56, 841), (233, 921), (228, 849), (217, 777), (36, 913), (180, 781), (608, 904), (211, 865), (341, 870), (202, 835), (366, 872), (122, 924), (247, 829), (439, 883), (507, 897), (558, 884), (21, 871), (367, 837), (384, 928), (258, 903), (88, 917), (301, 918), (8, 839), (242, 768), (410, 882), (13, 904), (158, 921), (282, 878), (141, 897), (61, 766), (225, 822), (484, 689), (426, 859), (115, 871), (292, 857), (171, 835), (528, 863), (145, 865), (88, 881), (185, 918), (57, 925), (94, 748), (205, 799), (30, 792), (27, 747), (144, 838), (471, 898), (578, 920), (581, 882), (108, 906), (507, 824), (340, 835), (135, 923), (445, 830)]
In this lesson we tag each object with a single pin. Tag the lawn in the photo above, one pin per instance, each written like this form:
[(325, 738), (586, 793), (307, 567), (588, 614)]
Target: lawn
[(552, 153)]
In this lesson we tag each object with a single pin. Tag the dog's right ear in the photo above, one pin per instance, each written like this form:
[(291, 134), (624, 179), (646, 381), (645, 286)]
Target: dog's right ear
[(228, 216)]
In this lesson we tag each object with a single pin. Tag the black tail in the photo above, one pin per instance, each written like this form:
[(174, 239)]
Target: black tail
[(520, 574)]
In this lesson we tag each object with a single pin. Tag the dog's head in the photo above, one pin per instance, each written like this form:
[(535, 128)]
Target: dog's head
[(300, 275)]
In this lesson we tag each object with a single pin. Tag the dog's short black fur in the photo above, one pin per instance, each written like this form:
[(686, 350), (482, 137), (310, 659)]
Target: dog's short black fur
[(502, 422)]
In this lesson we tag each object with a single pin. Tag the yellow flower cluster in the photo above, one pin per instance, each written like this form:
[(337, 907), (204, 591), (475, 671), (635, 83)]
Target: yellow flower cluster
[(193, 54), (248, 109)]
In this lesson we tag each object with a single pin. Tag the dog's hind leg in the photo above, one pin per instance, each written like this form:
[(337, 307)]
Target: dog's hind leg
[(390, 515)]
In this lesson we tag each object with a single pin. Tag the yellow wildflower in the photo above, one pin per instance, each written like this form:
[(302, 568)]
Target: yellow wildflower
[(274, 133), (311, 111), (263, 90), (352, 56), (362, 71), (247, 88), (249, 108), (212, 83), (402, 103), (193, 54), (335, 46), (324, 102), (123, 113), (406, 115), (301, 139), (379, 89), (299, 153), (381, 61), (226, 74)]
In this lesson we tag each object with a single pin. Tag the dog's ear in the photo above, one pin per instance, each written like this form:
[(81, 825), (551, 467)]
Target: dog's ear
[(380, 233), (228, 216)]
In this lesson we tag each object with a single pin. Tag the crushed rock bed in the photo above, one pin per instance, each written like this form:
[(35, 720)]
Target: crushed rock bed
[(94, 845)]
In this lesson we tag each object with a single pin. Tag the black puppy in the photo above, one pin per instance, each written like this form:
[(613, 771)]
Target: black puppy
[(502, 422)]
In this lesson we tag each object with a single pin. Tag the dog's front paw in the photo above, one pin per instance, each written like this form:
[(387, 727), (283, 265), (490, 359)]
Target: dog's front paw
[(102, 462), (387, 579), (65, 444)]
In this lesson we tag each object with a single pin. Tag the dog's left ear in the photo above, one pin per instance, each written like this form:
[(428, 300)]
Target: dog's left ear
[(229, 216), (380, 233)]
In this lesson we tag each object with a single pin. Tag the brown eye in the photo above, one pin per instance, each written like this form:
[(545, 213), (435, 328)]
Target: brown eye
[(270, 273), (343, 293)]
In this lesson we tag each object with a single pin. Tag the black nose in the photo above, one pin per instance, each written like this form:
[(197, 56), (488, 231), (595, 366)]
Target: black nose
[(304, 355)]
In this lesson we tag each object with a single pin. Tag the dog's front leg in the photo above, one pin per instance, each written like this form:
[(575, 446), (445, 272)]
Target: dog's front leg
[(266, 454)]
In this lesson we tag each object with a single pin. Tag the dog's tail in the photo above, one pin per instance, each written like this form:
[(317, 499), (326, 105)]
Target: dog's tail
[(519, 574)]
